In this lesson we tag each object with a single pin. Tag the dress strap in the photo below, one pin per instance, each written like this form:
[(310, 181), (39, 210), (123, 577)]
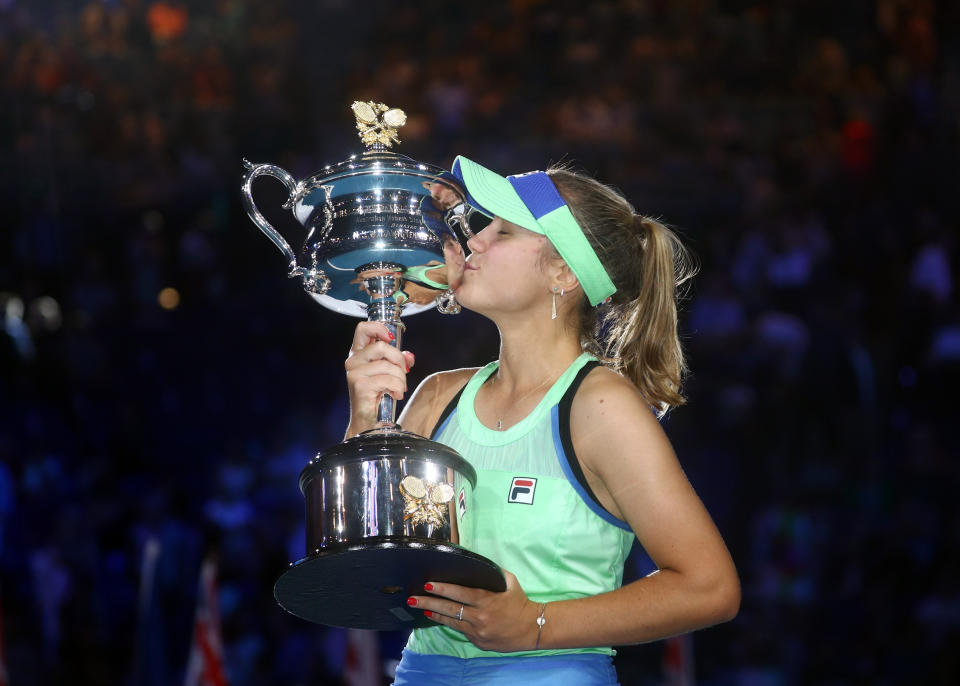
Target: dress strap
[(563, 419), (447, 411)]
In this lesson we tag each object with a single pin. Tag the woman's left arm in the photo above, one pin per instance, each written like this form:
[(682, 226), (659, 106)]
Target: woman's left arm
[(626, 454)]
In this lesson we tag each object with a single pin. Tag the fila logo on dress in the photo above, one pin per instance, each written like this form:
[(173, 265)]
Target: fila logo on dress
[(462, 503), (521, 490)]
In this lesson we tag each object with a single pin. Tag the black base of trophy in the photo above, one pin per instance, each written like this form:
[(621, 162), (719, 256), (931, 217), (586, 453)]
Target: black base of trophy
[(366, 586)]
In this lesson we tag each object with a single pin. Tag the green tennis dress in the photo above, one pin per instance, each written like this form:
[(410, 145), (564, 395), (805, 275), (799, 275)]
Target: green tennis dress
[(532, 511)]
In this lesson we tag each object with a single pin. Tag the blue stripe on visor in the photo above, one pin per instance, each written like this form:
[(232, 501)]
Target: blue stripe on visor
[(537, 191), (463, 184)]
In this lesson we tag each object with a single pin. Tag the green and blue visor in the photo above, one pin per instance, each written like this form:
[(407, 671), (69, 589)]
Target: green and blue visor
[(532, 201)]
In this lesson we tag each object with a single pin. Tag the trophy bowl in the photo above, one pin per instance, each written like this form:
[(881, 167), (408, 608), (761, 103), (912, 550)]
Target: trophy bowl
[(379, 506)]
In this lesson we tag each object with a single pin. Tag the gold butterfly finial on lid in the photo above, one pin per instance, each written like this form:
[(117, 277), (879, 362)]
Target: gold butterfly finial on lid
[(378, 123)]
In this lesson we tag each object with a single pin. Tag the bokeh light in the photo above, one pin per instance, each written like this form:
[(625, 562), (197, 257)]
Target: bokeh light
[(169, 298)]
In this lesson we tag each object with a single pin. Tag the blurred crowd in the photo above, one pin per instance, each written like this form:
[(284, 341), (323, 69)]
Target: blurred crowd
[(162, 381)]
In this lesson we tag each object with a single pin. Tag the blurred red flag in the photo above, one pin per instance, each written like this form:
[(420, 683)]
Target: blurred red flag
[(205, 667), (362, 666), (678, 661)]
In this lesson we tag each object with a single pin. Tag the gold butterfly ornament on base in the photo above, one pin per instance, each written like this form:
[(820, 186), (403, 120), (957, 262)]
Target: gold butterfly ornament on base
[(422, 501)]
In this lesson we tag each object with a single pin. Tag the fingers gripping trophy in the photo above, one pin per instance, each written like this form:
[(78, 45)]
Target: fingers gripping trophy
[(379, 226)]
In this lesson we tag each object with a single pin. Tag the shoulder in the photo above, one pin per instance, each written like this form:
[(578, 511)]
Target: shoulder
[(431, 397), (609, 410), (604, 391)]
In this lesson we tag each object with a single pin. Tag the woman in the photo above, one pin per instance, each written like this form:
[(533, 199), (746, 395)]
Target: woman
[(571, 460)]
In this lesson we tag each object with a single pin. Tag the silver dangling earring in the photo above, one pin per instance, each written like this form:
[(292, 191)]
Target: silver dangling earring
[(553, 310)]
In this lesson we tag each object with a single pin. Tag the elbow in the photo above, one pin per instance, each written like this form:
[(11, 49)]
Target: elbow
[(718, 598), (727, 599)]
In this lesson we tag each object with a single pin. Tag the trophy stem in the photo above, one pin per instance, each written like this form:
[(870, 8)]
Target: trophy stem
[(381, 280)]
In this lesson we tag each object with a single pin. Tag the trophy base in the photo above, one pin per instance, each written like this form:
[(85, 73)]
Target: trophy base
[(366, 586)]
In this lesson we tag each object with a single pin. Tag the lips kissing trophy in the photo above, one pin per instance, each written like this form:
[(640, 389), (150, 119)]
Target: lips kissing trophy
[(379, 505)]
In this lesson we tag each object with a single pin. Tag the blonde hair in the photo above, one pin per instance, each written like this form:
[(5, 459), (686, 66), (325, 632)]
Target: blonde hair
[(636, 332)]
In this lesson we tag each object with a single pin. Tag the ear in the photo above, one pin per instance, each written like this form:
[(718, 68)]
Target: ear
[(563, 277)]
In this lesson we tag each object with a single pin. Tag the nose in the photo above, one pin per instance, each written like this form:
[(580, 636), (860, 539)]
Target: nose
[(477, 242), (481, 239)]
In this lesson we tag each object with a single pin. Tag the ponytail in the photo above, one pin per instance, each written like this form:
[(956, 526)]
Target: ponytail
[(641, 335), (636, 332)]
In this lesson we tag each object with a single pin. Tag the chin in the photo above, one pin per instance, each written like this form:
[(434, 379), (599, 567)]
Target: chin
[(466, 298)]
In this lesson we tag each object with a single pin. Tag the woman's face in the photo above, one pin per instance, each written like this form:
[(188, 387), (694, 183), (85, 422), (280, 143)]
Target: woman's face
[(505, 269)]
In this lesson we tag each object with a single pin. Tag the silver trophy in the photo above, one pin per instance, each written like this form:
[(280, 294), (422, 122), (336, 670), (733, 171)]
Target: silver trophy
[(378, 506)]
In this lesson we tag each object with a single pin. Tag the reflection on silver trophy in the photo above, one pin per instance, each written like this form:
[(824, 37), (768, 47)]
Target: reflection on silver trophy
[(379, 505)]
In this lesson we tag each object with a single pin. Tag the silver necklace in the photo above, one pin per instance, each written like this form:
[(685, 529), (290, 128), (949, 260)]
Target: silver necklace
[(532, 390)]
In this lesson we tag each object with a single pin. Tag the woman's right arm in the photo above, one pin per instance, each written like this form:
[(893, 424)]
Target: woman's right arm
[(375, 367)]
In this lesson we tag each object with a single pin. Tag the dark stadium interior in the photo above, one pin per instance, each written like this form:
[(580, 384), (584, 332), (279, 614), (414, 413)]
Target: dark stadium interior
[(161, 379)]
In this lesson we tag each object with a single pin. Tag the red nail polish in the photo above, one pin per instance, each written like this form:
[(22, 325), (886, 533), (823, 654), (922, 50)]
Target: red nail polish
[(392, 337), (428, 587), (411, 602), (428, 613)]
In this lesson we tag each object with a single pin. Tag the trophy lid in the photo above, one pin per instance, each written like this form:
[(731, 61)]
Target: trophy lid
[(376, 168)]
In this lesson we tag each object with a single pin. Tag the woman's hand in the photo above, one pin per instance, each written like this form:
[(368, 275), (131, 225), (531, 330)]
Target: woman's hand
[(374, 367), (505, 622)]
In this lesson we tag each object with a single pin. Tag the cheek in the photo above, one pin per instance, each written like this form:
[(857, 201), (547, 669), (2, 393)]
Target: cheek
[(528, 257), (521, 273), (529, 263)]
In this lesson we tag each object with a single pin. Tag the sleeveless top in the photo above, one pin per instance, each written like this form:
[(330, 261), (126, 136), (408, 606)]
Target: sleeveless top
[(532, 511)]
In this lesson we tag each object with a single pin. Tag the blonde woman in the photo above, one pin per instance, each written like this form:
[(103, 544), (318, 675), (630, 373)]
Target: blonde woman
[(563, 431)]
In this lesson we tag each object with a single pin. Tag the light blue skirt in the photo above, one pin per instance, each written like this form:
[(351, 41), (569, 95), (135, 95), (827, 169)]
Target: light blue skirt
[(578, 669)]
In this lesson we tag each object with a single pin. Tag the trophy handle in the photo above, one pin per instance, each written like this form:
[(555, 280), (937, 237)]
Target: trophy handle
[(253, 171)]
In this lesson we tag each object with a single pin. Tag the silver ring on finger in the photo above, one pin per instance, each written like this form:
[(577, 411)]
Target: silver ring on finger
[(460, 614)]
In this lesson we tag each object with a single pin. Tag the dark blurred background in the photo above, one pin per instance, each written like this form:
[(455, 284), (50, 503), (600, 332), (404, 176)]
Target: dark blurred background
[(161, 380)]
